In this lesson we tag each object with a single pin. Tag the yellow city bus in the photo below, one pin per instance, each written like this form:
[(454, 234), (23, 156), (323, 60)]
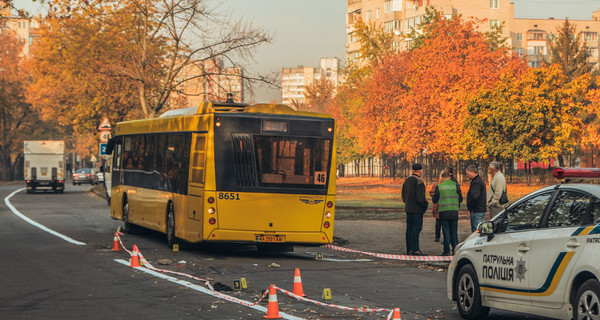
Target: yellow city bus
[(227, 172)]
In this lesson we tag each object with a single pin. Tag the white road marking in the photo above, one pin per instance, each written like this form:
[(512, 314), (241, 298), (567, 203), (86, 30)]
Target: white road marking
[(35, 224), (200, 288)]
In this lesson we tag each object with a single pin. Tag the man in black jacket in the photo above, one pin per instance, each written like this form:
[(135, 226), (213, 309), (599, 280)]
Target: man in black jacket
[(476, 198), (413, 195)]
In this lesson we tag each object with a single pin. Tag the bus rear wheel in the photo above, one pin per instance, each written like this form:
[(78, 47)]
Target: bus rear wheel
[(128, 227), (171, 239)]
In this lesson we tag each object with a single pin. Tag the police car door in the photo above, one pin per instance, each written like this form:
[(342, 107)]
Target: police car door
[(503, 257), (557, 246)]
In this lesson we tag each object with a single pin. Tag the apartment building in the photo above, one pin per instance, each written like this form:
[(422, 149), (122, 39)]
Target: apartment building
[(209, 80), (26, 29), (294, 81), (529, 37)]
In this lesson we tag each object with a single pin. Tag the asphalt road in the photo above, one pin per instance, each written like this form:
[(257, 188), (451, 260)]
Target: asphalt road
[(46, 277)]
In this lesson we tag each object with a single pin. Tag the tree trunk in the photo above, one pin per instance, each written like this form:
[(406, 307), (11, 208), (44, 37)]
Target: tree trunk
[(561, 160), (5, 166)]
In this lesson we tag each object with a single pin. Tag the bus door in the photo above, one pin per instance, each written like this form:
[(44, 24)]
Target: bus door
[(197, 169)]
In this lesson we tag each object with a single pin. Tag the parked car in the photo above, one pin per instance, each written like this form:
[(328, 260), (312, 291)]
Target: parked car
[(86, 175), (541, 255), (100, 176)]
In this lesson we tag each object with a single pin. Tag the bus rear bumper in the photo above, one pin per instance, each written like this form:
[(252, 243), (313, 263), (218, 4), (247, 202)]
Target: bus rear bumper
[(295, 238)]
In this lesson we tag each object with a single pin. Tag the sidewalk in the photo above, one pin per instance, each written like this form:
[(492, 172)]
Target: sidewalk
[(388, 236)]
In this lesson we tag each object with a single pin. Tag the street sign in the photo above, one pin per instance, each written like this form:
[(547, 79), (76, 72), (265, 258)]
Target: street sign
[(105, 124), (104, 136), (102, 149)]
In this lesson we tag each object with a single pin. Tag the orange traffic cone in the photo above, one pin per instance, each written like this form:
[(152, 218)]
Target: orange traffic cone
[(396, 314), (273, 306), (135, 260), (116, 243), (297, 289)]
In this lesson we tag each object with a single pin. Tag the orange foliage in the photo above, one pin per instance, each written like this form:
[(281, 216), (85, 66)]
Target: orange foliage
[(415, 101)]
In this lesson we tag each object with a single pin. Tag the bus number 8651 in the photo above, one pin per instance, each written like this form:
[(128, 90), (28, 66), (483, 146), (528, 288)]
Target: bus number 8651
[(229, 196)]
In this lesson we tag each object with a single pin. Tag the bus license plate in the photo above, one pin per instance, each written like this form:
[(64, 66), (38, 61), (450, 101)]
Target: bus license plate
[(270, 238)]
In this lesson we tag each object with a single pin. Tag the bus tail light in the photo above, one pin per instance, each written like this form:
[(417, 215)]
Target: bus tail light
[(211, 210), (329, 204), (326, 224), (212, 220), (218, 122), (211, 200), (28, 181), (328, 214)]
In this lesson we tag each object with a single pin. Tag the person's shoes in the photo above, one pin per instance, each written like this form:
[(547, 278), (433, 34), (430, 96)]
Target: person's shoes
[(409, 253), (446, 254), (419, 253), (437, 240)]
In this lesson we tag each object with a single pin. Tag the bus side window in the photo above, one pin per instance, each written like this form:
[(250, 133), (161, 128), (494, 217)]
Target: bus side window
[(139, 152), (127, 156), (160, 160), (148, 161)]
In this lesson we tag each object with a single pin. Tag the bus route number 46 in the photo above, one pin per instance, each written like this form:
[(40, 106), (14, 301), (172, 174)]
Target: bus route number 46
[(320, 177), (229, 196)]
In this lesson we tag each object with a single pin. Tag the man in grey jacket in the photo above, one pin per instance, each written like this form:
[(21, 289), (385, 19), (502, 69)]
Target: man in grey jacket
[(497, 186)]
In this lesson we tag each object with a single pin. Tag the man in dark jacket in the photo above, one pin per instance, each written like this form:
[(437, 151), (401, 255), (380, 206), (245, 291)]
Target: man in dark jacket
[(448, 196), (413, 195), (476, 198)]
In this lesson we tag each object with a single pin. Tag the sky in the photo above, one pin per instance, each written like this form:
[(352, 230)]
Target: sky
[(306, 30)]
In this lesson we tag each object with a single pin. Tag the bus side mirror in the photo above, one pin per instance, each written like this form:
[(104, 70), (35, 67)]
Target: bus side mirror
[(486, 228)]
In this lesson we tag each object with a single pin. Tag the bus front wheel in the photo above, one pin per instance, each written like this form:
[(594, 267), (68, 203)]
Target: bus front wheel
[(171, 239)]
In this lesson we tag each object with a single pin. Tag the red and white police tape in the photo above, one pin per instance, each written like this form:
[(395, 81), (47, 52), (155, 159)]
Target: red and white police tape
[(403, 257), (147, 264)]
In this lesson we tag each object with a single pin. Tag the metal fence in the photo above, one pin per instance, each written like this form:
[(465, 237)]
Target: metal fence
[(400, 168)]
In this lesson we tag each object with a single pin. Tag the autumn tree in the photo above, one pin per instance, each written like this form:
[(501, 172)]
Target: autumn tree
[(376, 44), (415, 102), (375, 41), (68, 82), (590, 116), (18, 121), (418, 35), (570, 52), (155, 42), (531, 117), (319, 96)]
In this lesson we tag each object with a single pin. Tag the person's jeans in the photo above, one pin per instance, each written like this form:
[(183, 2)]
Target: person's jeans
[(414, 225), (450, 230), (438, 228), (476, 219)]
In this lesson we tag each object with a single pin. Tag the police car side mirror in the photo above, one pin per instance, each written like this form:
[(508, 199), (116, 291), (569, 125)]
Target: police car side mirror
[(486, 228)]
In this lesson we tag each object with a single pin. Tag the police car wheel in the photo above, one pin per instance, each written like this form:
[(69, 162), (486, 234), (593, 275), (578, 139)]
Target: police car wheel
[(468, 296), (588, 301)]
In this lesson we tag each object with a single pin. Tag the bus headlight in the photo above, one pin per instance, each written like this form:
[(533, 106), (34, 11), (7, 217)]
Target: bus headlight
[(211, 210)]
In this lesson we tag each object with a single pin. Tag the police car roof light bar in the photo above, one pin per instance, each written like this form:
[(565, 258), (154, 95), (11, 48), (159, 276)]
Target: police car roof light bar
[(561, 173)]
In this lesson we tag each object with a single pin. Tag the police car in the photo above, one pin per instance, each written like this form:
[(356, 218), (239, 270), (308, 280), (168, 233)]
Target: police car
[(541, 255)]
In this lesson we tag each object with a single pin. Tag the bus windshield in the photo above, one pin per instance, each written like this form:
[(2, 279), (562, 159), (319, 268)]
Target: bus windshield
[(292, 160)]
